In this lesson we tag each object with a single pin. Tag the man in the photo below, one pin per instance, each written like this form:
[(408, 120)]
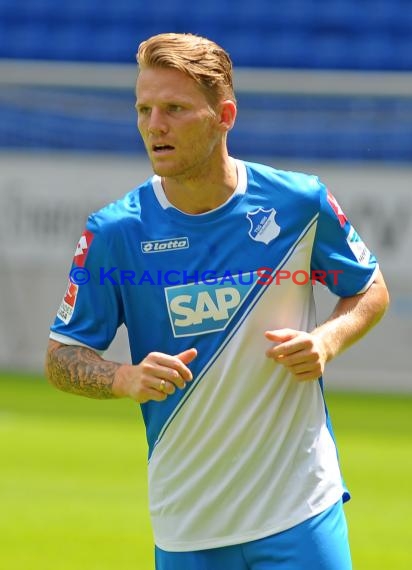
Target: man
[(210, 264)]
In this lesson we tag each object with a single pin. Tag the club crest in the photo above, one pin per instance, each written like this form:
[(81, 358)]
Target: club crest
[(263, 225)]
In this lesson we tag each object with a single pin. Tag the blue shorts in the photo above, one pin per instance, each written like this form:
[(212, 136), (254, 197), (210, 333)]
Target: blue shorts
[(319, 543)]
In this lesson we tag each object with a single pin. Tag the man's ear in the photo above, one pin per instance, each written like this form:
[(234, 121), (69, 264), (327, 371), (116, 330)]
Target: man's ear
[(228, 112)]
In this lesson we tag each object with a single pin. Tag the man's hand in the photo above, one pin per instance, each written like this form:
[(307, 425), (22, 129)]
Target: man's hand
[(80, 370), (302, 353), (156, 377), (305, 354)]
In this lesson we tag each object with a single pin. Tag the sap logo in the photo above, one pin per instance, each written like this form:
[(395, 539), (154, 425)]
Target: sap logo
[(200, 308), (216, 306), (159, 245)]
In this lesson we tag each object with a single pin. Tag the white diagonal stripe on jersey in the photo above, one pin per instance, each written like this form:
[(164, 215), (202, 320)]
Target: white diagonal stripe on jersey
[(250, 455), (201, 374)]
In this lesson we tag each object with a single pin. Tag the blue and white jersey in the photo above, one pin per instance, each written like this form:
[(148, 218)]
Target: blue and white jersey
[(245, 451)]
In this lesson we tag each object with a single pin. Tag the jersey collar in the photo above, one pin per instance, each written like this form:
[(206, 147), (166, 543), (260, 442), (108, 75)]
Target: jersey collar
[(240, 189)]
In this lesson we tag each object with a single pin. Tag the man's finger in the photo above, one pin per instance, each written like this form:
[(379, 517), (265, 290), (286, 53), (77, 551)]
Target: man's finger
[(186, 357), (166, 387), (177, 362), (281, 335)]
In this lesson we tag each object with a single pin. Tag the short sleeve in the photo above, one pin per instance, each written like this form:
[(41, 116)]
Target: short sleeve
[(91, 310), (340, 258)]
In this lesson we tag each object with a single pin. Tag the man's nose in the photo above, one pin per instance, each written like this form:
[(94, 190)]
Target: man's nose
[(157, 122)]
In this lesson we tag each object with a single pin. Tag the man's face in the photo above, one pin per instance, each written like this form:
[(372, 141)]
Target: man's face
[(179, 128)]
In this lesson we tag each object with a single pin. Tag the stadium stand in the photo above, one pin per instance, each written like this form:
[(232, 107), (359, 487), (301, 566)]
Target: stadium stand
[(367, 36), (313, 34)]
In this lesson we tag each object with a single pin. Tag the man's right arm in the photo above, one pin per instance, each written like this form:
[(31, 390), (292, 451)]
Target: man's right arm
[(80, 370)]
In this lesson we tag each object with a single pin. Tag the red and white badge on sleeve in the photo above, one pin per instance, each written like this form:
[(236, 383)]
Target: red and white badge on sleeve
[(337, 209), (82, 248), (68, 303)]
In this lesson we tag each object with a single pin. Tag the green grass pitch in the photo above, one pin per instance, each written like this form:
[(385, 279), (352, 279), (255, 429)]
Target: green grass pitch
[(73, 492)]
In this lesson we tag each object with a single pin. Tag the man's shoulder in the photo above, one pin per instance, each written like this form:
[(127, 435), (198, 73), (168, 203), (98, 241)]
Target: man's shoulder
[(128, 207), (294, 181)]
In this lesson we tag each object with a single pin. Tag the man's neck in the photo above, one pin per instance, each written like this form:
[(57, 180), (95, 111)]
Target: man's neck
[(197, 195)]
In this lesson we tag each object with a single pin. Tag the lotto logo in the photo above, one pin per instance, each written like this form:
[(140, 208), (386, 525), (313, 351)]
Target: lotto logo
[(159, 245), (198, 308)]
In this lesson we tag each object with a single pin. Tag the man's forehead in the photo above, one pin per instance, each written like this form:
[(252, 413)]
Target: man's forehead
[(166, 83)]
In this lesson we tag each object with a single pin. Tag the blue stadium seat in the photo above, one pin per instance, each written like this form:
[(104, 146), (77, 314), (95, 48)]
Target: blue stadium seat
[(287, 50), (257, 15), (384, 15), (337, 15), (329, 50), (380, 51), (372, 34), (120, 11), (70, 41), (296, 15), (25, 41), (78, 10), (402, 53), (12, 9), (112, 43)]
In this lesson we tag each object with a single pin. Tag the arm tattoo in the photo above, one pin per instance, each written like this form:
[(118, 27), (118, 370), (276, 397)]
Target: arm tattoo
[(82, 371)]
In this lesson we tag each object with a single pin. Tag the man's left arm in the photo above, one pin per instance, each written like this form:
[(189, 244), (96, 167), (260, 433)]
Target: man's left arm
[(305, 354)]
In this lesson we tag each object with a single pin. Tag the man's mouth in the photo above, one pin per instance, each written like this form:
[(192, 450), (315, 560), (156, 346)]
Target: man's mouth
[(158, 148)]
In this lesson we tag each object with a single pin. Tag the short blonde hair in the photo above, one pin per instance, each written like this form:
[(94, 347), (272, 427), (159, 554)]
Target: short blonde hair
[(200, 58)]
